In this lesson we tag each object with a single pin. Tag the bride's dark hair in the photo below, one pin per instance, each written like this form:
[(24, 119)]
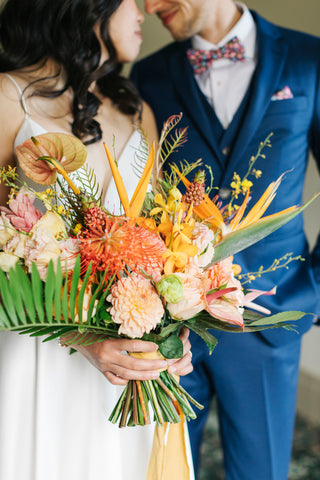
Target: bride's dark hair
[(31, 31)]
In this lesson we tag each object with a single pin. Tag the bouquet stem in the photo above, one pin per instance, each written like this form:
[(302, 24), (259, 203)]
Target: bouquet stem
[(165, 396)]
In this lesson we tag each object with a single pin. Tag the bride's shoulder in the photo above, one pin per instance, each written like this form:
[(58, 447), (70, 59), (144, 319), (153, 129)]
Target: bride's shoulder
[(148, 123), (12, 113), (10, 94)]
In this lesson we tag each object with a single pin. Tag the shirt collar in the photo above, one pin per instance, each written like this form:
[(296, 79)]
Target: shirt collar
[(244, 29)]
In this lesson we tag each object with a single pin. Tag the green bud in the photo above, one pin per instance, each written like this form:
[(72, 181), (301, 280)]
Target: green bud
[(171, 288)]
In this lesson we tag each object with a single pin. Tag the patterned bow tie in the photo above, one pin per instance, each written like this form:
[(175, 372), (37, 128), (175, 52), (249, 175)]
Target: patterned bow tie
[(201, 60)]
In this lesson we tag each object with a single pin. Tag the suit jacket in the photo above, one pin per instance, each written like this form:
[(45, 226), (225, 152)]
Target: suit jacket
[(285, 58)]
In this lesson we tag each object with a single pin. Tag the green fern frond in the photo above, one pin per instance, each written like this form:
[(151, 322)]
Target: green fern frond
[(141, 154), (168, 126), (169, 145), (86, 178)]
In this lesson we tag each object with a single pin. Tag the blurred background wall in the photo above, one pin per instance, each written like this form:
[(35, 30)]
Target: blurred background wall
[(300, 15)]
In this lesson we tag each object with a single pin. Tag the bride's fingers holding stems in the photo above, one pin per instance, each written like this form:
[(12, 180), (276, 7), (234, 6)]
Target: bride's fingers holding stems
[(112, 358)]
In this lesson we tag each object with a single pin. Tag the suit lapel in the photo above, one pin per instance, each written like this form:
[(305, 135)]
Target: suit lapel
[(271, 58), (190, 96)]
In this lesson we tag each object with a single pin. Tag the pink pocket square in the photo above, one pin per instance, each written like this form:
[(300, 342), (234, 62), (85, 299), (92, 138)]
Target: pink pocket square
[(283, 94)]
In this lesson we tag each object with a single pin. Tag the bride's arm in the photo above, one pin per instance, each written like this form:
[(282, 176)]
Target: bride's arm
[(148, 124), (11, 119)]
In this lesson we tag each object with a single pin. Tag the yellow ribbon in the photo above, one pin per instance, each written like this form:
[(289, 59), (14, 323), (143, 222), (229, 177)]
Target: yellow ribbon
[(150, 356), (168, 459)]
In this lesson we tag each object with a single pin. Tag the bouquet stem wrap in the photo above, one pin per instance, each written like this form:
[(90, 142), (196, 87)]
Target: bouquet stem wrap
[(169, 457)]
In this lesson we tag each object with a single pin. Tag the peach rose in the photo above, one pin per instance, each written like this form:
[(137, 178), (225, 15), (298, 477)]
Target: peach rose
[(193, 301)]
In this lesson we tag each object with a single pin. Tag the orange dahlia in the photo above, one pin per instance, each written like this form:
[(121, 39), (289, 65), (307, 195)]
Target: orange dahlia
[(120, 245)]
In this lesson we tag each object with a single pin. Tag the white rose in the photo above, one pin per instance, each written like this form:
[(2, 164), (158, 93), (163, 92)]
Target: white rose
[(202, 237), (40, 249), (51, 222), (6, 230), (16, 245), (7, 261)]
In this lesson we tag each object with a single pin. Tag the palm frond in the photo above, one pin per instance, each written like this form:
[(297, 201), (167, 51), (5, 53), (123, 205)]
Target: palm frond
[(31, 306)]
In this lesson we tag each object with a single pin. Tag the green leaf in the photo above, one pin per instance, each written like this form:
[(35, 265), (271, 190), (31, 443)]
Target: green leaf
[(26, 292), (210, 340), (7, 299), (16, 294), (49, 288), (237, 241), (65, 301), (289, 316), (4, 320), (171, 328), (37, 291), (82, 293), (58, 291), (74, 288), (171, 347)]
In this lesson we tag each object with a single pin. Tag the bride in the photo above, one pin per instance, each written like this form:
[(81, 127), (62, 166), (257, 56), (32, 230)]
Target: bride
[(60, 62)]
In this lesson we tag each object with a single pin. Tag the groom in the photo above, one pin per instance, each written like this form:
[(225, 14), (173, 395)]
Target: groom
[(265, 79)]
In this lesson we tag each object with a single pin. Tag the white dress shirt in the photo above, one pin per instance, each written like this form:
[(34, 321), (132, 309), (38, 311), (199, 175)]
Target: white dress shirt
[(226, 82)]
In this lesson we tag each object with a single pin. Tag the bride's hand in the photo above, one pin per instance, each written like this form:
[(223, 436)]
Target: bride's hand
[(110, 357)]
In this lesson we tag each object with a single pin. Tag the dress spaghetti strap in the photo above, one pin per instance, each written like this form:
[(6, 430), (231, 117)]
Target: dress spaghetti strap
[(23, 101)]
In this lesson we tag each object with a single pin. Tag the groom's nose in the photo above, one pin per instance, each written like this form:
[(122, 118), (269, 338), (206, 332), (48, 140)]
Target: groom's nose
[(152, 6)]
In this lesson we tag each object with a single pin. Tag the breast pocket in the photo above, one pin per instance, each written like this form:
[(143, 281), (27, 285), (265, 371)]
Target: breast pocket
[(288, 105), (288, 117)]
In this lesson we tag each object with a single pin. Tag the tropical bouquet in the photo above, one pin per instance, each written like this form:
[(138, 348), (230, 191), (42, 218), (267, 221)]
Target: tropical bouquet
[(76, 271)]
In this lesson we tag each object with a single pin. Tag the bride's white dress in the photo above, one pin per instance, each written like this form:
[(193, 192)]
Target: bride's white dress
[(54, 407)]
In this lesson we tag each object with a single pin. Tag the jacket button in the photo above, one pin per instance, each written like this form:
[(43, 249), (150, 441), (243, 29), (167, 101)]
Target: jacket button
[(224, 193), (226, 151)]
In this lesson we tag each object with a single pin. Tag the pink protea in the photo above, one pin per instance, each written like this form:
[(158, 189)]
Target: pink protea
[(136, 306), (22, 214)]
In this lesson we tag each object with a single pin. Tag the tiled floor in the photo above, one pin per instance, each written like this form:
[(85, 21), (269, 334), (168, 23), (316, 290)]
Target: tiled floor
[(305, 464)]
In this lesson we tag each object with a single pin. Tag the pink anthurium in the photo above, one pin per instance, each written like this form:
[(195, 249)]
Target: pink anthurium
[(252, 295)]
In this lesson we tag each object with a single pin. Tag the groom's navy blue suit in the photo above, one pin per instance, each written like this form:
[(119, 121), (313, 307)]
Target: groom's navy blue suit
[(253, 375)]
